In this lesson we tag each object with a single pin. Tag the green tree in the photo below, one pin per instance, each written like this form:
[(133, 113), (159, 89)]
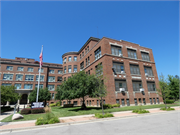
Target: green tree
[(44, 95), (164, 88), (101, 88), (8, 94), (174, 87), (80, 85)]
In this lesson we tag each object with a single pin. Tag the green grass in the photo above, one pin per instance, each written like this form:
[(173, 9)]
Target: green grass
[(74, 111)]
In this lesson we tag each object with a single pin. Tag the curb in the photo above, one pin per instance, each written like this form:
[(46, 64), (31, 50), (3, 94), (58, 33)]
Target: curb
[(72, 123)]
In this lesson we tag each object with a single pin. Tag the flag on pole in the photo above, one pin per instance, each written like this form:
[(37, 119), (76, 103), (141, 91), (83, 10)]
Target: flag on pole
[(41, 59)]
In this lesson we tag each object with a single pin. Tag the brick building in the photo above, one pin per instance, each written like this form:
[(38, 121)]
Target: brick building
[(23, 73), (129, 68)]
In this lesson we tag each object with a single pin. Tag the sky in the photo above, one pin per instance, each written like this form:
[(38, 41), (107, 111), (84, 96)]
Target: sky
[(64, 26)]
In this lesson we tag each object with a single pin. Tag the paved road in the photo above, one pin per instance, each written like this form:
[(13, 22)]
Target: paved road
[(154, 124)]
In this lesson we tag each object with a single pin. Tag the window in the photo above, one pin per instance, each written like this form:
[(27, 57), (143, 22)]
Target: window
[(19, 77), (10, 68), (88, 48), (41, 78), (99, 70), (59, 79), (64, 78), (88, 61), (51, 71), (42, 70), (87, 103), (64, 60), (69, 69), (82, 54), (75, 68), (52, 97), (97, 102), (30, 69), (132, 53), (8, 77), (64, 69), (135, 101), (127, 101), (117, 101), (148, 70), (75, 102), (28, 86), (145, 56), (18, 86), (51, 87), (144, 101), (150, 99), (139, 100), (69, 59), (6, 84), (20, 69), (97, 53), (120, 84), (151, 86), (64, 102), (75, 58), (154, 100), (122, 102), (118, 67), (115, 50), (29, 77), (69, 102), (134, 69), (40, 86), (82, 65), (51, 79), (88, 72), (136, 86), (158, 100), (60, 72), (85, 50)]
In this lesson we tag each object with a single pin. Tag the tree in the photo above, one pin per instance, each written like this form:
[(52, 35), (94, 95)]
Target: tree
[(8, 94), (164, 88), (101, 88), (174, 87), (44, 95), (80, 85)]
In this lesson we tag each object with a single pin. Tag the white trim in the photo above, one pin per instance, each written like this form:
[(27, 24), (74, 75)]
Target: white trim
[(115, 44), (131, 48), (144, 51), (133, 61)]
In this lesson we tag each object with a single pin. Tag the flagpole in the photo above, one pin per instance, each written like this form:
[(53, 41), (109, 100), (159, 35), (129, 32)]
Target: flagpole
[(39, 77)]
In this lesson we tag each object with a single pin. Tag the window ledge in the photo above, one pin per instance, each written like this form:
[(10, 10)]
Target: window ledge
[(135, 75)]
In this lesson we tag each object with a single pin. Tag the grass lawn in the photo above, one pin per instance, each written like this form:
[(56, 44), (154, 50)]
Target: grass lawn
[(74, 111)]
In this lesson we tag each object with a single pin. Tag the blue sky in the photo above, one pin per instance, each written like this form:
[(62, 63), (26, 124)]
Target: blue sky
[(65, 26)]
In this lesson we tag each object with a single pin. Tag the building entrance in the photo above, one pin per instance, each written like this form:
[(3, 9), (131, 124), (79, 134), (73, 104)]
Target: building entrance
[(24, 99)]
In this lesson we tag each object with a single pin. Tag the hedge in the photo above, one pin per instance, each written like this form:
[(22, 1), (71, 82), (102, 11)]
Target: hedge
[(98, 115), (68, 105), (37, 110), (169, 101), (26, 111)]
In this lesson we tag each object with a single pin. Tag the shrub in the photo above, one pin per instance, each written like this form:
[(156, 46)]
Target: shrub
[(26, 111), (52, 105), (37, 110), (107, 106), (116, 105), (58, 104), (169, 101), (140, 111), (53, 120), (68, 105), (98, 115), (50, 119), (168, 109), (47, 109)]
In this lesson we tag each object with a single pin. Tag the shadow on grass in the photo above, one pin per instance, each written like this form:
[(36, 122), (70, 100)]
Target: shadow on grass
[(88, 108)]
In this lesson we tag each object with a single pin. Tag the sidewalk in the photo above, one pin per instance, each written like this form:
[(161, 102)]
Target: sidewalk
[(4, 126)]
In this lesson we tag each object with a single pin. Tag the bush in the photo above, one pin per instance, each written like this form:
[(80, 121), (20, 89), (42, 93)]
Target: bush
[(58, 104), (50, 119), (168, 109), (68, 105), (169, 101), (53, 120), (26, 111), (107, 106), (52, 105), (6, 108), (98, 115), (140, 111), (37, 110), (116, 105)]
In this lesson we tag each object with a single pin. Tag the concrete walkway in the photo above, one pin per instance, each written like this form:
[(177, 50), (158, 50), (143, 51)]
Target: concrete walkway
[(6, 126), (6, 114)]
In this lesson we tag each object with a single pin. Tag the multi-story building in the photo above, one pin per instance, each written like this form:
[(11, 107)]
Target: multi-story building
[(24, 73), (130, 71)]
